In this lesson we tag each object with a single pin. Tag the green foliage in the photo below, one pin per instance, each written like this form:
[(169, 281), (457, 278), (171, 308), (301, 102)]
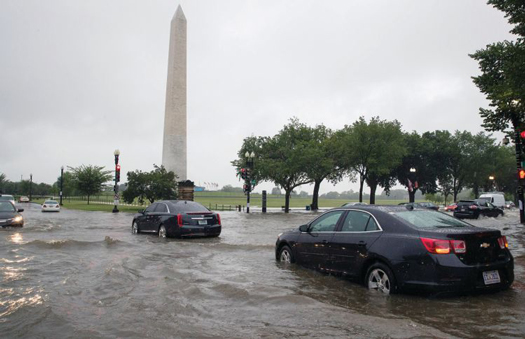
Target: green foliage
[(89, 180), (158, 184), (502, 78)]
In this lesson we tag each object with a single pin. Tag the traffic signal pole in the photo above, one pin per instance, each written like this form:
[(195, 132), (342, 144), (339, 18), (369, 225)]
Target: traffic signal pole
[(521, 202), (117, 179)]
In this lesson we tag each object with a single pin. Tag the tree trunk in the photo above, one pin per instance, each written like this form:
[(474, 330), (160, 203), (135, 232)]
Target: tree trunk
[(88, 199), (373, 188), (361, 184), (287, 200), (412, 195), (315, 197), (455, 190), (475, 190)]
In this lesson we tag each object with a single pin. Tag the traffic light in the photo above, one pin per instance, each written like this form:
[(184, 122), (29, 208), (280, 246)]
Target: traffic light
[(246, 188), (117, 173), (243, 173), (521, 174)]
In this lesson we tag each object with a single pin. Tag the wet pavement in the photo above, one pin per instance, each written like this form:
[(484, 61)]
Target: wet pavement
[(79, 274)]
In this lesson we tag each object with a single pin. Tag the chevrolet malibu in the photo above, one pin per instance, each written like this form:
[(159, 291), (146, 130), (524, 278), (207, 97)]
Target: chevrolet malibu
[(177, 218), (396, 248)]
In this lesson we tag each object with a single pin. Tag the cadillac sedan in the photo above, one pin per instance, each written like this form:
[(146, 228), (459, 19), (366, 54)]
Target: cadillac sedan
[(177, 218), (397, 248)]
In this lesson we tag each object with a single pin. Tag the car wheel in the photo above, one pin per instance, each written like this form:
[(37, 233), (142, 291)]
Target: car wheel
[(286, 255), (379, 277), (162, 231), (135, 228)]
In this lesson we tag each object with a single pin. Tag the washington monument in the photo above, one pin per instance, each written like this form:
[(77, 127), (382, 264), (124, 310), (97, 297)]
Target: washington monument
[(174, 148)]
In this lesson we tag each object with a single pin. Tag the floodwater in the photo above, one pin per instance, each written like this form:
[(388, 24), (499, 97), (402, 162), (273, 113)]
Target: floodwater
[(84, 275)]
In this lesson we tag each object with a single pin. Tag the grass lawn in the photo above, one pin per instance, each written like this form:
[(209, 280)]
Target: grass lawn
[(212, 200)]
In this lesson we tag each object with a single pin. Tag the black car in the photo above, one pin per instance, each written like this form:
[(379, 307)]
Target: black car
[(10, 215), (177, 218), (474, 208), (397, 248)]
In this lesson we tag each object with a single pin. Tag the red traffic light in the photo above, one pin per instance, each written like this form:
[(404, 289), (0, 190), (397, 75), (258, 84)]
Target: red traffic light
[(117, 168), (521, 174), (522, 134)]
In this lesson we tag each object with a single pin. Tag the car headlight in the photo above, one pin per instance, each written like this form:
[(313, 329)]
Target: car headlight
[(18, 218)]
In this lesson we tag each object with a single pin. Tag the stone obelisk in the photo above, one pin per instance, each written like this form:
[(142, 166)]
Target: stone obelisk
[(174, 150)]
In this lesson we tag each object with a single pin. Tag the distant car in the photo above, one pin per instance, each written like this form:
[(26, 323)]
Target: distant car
[(7, 197), (23, 199), (394, 248), (10, 215), (451, 207), (50, 206), (474, 208), (355, 204), (177, 218), (495, 198), (509, 204)]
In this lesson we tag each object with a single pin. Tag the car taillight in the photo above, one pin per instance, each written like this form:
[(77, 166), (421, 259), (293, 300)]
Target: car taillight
[(44, 206), (179, 220), (218, 219), (440, 246), (458, 246), (502, 241), (473, 207)]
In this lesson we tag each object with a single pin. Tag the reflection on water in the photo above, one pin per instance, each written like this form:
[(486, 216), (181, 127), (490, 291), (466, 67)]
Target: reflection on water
[(85, 274)]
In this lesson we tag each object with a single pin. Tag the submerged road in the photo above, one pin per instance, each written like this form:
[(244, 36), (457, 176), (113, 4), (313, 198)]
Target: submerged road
[(79, 274)]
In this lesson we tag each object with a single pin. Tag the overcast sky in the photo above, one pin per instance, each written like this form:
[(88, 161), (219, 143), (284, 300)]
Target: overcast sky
[(79, 79)]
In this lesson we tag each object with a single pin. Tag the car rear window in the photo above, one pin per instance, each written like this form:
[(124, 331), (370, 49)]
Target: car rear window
[(429, 219), (188, 206)]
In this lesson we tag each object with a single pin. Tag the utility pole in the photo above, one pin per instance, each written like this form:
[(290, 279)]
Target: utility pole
[(30, 186), (247, 183)]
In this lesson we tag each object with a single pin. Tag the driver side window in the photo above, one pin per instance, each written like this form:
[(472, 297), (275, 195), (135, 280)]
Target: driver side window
[(326, 223)]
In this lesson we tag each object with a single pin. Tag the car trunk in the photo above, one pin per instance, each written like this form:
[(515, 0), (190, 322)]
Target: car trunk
[(199, 219)]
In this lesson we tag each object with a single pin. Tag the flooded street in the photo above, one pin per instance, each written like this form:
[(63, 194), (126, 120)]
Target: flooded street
[(81, 274)]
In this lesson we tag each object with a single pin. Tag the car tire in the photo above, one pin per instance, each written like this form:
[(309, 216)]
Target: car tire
[(135, 228), (379, 277), (162, 232), (286, 255)]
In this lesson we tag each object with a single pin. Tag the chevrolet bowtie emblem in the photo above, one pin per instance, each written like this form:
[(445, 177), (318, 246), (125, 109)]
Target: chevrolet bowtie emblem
[(484, 245)]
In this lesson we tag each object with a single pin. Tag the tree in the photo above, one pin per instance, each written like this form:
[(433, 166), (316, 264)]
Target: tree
[(283, 158), (90, 179), (158, 184), (3, 182), (373, 150), (321, 161)]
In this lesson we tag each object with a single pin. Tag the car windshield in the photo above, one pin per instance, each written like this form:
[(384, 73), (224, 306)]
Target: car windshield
[(6, 206), (50, 202), (7, 197), (430, 219)]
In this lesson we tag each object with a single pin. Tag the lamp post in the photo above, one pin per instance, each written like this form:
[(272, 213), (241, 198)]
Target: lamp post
[(30, 186), (61, 183), (412, 185), (493, 182), (249, 165), (117, 179)]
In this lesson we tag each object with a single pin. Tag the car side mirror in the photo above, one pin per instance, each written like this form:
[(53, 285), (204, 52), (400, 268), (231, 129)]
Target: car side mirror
[(141, 211), (303, 228), (20, 210)]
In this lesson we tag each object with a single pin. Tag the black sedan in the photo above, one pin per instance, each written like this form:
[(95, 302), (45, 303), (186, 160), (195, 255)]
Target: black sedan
[(177, 218), (474, 208), (397, 248), (10, 215)]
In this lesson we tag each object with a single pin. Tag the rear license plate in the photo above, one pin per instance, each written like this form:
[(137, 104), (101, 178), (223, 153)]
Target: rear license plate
[(203, 222), (491, 277)]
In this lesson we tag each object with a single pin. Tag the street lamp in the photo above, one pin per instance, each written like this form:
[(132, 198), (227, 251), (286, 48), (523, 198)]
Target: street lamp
[(61, 182), (116, 153), (411, 185), (493, 184), (249, 165)]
